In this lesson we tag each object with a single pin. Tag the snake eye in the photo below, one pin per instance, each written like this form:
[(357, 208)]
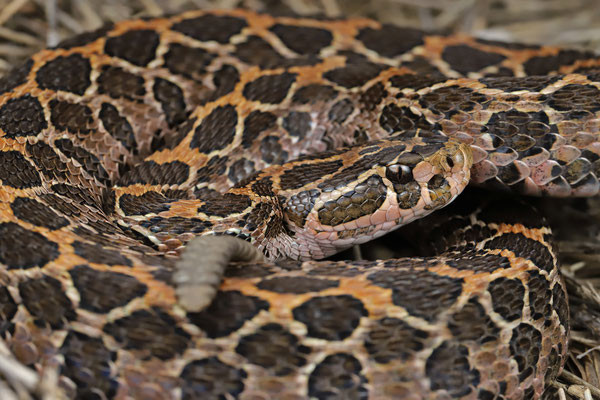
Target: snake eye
[(450, 162), (398, 173)]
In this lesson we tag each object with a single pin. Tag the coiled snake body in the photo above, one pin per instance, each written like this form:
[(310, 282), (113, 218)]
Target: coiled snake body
[(302, 136)]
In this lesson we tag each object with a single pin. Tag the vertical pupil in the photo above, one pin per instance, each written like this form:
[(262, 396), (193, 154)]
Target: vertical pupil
[(401, 174)]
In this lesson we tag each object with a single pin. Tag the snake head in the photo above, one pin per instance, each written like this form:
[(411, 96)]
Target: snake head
[(363, 192)]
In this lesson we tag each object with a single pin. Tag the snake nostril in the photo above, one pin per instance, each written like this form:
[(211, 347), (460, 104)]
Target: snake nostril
[(450, 162), (436, 182)]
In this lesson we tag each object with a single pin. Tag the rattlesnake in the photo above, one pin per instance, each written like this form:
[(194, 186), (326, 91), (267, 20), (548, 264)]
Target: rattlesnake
[(303, 136)]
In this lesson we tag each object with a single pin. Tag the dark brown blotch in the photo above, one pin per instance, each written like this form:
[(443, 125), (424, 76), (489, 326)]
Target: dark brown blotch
[(176, 225), (303, 39), (216, 130), (227, 313), (17, 172), (118, 126), (35, 250), (296, 284), (263, 187), (391, 40), (302, 174), (101, 291), (336, 269), (8, 309), (560, 305), (543, 65), (46, 301), (224, 81), (147, 203), (67, 73), (85, 38), (475, 261), (514, 84), (118, 83), (448, 369), (298, 123), (210, 378), (172, 101), (540, 296), (36, 213), (263, 215), (256, 51), (149, 172), (271, 150), (373, 96), (524, 247), (71, 117), (59, 204), (338, 376), (255, 123), (227, 204), (472, 323), (188, 61), (274, 349), (416, 82), (211, 27), (270, 89), (22, 116), (214, 166), (330, 317), (400, 119), (354, 75), (96, 253), (152, 332), (449, 100), (422, 293), (136, 46), (464, 59), (314, 93), (249, 270), (393, 338)]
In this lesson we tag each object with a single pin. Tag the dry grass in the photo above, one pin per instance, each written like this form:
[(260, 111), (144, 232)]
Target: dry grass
[(29, 25)]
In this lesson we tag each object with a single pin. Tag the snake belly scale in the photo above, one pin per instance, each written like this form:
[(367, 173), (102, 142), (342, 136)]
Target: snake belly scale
[(302, 136)]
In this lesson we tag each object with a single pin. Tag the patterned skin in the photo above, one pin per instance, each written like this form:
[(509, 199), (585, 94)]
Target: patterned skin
[(303, 136)]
